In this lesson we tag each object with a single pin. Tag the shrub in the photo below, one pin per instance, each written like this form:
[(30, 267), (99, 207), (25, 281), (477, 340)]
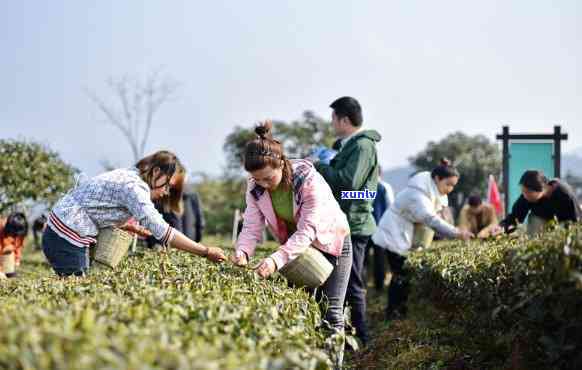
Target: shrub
[(175, 312), (31, 172), (523, 293)]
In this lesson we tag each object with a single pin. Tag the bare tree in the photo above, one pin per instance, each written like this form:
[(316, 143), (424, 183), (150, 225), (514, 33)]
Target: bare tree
[(137, 103)]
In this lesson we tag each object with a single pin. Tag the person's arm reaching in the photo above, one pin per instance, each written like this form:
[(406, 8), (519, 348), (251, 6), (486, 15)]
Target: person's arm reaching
[(354, 174), (518, 213)]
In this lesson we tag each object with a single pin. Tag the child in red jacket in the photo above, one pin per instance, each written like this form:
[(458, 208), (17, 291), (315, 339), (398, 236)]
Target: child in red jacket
[(12, 233)]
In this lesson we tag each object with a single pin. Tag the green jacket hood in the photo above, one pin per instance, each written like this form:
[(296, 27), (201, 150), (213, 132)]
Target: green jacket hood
[(369, 134)]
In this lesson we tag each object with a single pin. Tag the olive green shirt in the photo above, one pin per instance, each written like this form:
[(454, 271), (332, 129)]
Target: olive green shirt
[(283, 206)]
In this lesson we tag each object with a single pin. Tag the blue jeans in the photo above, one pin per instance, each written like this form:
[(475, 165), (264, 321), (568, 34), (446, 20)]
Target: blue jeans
[(332, 295), (65, 258), (335, 287)]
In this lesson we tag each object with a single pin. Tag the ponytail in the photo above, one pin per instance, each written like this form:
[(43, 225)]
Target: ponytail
[(444, 170)]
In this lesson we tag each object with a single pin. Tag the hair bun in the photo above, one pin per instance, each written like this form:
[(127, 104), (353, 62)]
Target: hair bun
[(263, 129), (445, 162)]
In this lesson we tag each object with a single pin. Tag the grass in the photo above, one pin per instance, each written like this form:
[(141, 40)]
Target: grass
[(429, 338)]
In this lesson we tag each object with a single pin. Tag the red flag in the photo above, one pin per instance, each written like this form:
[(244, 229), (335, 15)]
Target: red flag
[(493, 196)]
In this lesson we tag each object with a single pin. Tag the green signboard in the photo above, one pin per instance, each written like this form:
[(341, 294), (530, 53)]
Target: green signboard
[(523, 152), (525, 156)]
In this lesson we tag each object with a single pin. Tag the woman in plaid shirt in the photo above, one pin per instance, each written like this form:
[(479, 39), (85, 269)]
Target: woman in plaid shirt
[(111, 199)]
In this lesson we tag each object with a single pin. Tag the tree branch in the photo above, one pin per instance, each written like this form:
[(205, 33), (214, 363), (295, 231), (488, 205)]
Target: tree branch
[(139, 104)]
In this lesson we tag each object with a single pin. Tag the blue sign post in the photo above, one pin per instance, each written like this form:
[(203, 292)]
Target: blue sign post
[(523, 152)]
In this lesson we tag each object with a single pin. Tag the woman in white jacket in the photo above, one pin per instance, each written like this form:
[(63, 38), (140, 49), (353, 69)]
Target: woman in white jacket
[(419, 203)]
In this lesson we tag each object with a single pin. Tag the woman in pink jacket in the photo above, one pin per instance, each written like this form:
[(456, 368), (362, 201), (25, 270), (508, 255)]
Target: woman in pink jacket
[(300, 210)]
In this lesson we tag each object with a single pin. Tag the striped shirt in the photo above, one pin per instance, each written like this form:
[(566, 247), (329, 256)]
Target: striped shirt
[(107, 200)]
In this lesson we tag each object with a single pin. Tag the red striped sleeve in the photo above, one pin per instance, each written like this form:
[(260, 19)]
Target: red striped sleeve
[(69, 232), (167, 236)]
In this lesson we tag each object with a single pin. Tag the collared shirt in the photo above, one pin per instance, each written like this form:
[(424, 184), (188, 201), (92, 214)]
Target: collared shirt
[(345, 140), (107, 200)]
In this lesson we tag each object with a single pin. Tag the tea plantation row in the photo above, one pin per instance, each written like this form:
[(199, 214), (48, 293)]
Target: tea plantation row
[(520, 297), (159, 311)]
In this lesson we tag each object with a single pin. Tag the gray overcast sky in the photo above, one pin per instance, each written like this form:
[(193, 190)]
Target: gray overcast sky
[(421, 69)]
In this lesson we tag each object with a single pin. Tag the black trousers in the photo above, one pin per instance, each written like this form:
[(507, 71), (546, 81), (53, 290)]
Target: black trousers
[(356, 294), (379, 264), (399, 284)]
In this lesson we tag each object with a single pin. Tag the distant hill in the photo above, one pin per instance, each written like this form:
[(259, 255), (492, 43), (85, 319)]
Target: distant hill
[(572, 163), (577, 152)]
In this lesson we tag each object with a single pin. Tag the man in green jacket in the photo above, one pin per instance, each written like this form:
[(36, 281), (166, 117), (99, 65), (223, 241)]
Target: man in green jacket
[(353, 177)]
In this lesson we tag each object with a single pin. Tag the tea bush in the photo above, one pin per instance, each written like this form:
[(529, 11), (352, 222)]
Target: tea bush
[(525, 294), (171, 311)]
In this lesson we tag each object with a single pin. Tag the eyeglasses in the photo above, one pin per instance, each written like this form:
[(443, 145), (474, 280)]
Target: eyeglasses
[(165, 186)]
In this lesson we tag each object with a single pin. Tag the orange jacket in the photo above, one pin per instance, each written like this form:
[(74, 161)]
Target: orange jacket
[(9, 244)]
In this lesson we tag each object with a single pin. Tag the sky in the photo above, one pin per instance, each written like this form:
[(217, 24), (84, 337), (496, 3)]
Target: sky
[(420, 69)]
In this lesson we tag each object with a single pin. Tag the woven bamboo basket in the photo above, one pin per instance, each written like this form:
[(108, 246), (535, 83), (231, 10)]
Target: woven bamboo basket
[(310, 269), (422, 236), (112, 246), (535, 225), (7, 261)]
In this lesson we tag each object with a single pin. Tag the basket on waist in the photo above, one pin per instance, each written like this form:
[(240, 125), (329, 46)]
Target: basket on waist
[(8, 263), (422, 236), (112, 245), (310, 269)]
